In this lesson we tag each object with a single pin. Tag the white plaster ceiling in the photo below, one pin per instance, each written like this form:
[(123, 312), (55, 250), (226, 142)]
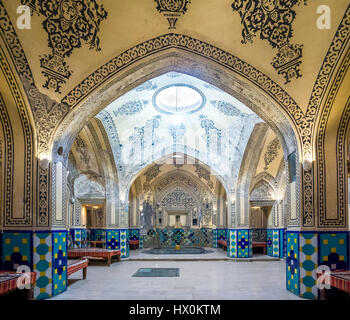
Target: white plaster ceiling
[(213, 126)]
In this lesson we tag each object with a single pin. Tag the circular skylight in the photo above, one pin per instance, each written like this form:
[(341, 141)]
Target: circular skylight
[(178, 98)]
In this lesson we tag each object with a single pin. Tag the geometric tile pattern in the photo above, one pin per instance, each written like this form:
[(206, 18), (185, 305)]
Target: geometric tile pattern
[(222, 234), (16, 249), (308, 265), (172, 237), (292, 262), (243, 243), (124, 243), (134, 234), (276, 243), (215, 238), (282, 243), (42, 264), (59, 262), (232, 247), (250, 243), (84, 238), (98, 235), (334, 250), (113, 241), (269, 250), (76, 237), (141, 242)]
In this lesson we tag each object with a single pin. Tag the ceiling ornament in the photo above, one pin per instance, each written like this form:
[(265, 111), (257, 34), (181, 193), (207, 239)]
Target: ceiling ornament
[(68, 23), (172, 10), (226, 108), (82, 151), (271, 152), (147, 86), (177, 132), (151, 174), (205, 174), (178, 198), (262, 191), (274, 19), (131, 108)]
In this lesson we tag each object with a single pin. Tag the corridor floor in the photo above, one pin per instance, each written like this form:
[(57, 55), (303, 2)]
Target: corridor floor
[(200, 280)]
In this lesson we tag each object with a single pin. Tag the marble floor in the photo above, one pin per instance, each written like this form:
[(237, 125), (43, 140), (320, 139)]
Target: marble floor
[(200, 280)]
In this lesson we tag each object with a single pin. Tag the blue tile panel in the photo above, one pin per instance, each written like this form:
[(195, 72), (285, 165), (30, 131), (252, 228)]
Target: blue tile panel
[(215, 238), (124, 243), (59, 261), (113, 240), (141, 242), (282, 235), (334, 250), (98, 235), (308, 243), (79, 237), (84, 238), (276, 243), (17, 250), (42, 264), (232, 243), (269, 249), (243, 243), (222, 234), (240, 243), (134, 234), (292, 262), (309, 250)]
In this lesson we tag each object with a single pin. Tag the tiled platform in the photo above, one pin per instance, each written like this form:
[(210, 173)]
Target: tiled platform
[(200, 280)]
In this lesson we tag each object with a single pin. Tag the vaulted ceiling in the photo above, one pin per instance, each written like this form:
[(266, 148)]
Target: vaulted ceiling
[(178, 113), (109, 27)]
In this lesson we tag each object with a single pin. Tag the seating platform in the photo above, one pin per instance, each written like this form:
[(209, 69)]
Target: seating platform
[(76, 265), (8, 282), (223, 244), (134, 244), (339, 279), (262, 245), (94, 253)]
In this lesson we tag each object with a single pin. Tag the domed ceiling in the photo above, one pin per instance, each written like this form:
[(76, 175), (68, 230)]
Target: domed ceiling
[(178, 113)]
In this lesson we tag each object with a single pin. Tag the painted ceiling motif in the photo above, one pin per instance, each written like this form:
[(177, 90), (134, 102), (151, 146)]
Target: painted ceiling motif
[(68, 24), (177, 113), (274, 19), (172, 10)]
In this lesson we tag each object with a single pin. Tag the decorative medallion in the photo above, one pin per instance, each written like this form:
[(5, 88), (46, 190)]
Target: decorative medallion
[(67, 23), (172, 10), (273, 18), (271, 152), (205, 174)]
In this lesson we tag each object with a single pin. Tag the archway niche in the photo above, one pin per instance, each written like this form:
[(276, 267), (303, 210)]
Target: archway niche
[(207, 70), (170, 203)]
